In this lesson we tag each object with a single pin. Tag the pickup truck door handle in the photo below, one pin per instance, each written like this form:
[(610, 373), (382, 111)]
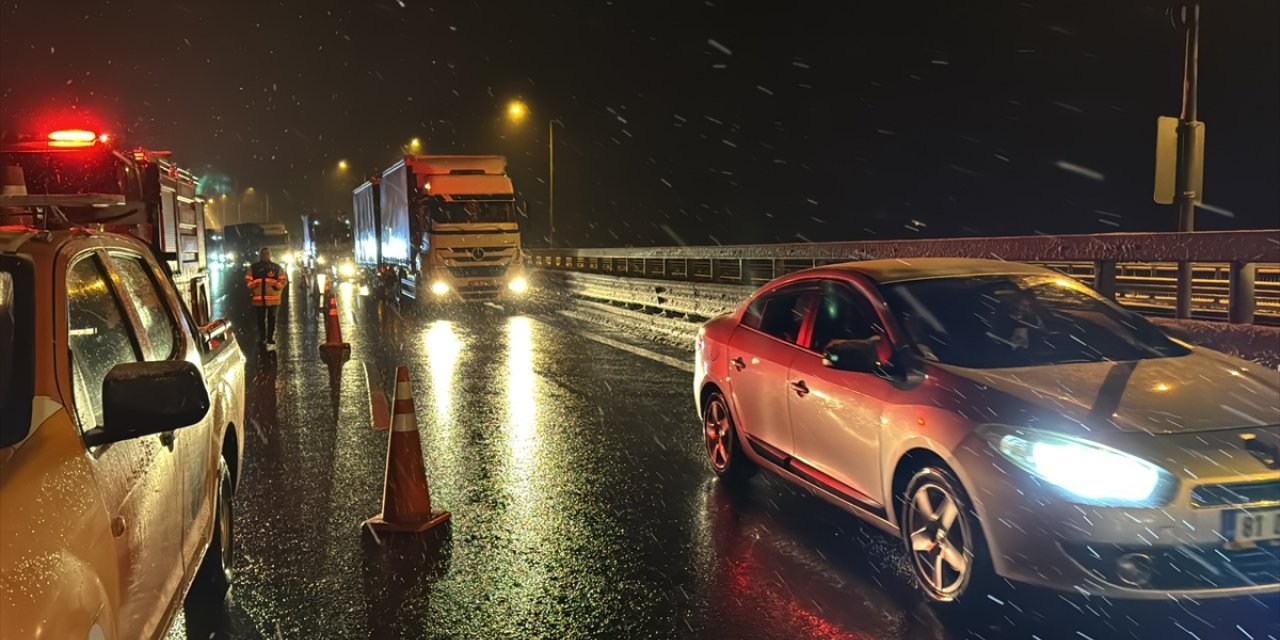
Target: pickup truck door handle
[(738, 363), (800, 388)]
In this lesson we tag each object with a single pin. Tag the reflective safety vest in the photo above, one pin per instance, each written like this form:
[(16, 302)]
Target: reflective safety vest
[(266, 281)]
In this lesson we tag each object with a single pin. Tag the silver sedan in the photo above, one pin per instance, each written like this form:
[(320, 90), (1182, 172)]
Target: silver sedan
[(1004, 421)]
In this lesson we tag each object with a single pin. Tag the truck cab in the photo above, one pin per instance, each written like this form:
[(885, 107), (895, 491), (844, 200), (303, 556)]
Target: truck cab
[(121, 437), (152, 199), (450, 230)]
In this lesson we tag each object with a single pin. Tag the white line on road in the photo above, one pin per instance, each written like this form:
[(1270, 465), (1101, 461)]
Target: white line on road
[(634, 350), (257, 427)]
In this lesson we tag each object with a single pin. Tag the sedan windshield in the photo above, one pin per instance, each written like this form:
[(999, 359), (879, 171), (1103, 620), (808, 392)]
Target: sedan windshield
[(1019, 321)]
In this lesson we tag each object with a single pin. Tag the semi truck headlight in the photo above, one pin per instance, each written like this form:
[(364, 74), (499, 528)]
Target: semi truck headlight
[(439, 287), (1092, 473), (347, 270), (518, 285)]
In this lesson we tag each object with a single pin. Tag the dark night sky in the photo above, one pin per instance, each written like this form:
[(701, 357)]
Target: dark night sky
[(683, 121)]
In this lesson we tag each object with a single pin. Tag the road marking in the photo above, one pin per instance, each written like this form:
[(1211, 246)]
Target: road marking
[(634, 350), (257, 427)]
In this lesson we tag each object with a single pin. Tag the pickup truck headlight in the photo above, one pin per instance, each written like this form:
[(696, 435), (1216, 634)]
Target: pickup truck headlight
[(1091, 473)]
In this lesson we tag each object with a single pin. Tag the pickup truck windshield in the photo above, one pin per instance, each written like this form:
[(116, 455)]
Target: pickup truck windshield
[(16, 338), (991, 322), (471, 211)]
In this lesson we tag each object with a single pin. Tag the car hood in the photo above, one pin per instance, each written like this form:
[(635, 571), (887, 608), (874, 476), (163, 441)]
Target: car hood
[(1202, 391)]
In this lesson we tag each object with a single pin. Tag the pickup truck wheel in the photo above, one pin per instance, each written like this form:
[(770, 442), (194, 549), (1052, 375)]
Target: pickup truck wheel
[(214, 576)]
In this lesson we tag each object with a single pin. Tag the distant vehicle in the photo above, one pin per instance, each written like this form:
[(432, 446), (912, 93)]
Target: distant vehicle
[(121, 435), (159, 205), (327, 247), (1005, 422), (246, 239), (441, 229)]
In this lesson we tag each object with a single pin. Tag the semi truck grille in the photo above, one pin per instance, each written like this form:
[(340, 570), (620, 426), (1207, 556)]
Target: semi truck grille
[(479, 271), (480, 254)]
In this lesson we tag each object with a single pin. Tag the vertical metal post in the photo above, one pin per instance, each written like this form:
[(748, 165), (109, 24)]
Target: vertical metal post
[(717, 271), (1104, 278), (551, 183), (1190, 103), (1241, 300)]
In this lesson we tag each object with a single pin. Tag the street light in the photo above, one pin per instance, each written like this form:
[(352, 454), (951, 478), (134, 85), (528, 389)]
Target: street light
[(415, 145), (517, 111), (342, 165)]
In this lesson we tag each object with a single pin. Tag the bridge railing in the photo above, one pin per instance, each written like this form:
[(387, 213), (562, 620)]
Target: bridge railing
[(1236, 274)]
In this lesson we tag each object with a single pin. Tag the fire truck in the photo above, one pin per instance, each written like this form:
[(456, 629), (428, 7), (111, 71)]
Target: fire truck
[(135, 191)]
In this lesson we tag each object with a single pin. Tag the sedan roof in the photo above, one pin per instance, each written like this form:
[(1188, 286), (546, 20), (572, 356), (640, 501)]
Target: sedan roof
[(905, 269)]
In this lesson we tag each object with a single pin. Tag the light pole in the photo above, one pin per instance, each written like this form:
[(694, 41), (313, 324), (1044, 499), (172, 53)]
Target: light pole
[(517, 111), (1187, 195), (551, 181)]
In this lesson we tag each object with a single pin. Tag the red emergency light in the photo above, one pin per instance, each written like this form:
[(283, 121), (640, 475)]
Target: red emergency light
[(75, 138)]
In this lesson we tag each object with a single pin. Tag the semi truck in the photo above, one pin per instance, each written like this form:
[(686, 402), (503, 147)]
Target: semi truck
[(136, 191), (247, 238), (441, 229)]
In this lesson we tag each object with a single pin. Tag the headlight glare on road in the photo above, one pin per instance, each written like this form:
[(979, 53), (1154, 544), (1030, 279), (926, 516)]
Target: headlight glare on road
[(518, 285), (439, 287), (1092, 473), (347, 270)]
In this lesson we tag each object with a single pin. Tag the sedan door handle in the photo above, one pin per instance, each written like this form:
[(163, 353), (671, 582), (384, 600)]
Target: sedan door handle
[(800, 388), (738, 363)]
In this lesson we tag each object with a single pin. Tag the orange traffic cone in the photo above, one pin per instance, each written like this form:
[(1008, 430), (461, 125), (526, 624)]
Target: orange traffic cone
[(406, 499), (333, 350)]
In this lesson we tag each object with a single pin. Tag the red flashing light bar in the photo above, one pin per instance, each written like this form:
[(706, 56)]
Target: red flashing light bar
[(75, 138)]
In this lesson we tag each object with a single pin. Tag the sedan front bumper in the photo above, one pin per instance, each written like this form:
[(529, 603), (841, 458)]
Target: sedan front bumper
[(1036, 535)]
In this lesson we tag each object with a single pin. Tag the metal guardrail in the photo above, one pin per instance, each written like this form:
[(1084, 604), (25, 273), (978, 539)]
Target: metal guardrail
[(1236, 274)]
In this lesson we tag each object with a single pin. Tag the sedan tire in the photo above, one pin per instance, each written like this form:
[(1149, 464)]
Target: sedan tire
[(943, 539), (721, 435)]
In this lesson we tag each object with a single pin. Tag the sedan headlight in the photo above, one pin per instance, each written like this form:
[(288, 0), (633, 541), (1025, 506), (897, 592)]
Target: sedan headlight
[(347, 270), (1090, 472)]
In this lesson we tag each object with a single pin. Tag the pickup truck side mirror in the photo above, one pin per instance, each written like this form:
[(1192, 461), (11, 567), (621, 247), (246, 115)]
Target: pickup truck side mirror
[(859, 356), (146, 398)]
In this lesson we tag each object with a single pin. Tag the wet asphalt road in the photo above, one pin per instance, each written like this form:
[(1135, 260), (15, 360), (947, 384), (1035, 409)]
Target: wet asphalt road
[(582, 507)]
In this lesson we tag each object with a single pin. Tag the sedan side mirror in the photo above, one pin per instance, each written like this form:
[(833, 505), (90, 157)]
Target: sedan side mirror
[(145, 398), (859, 356)]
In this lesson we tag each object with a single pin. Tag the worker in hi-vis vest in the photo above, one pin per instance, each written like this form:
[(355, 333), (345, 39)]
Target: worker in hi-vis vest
[(266, 281)]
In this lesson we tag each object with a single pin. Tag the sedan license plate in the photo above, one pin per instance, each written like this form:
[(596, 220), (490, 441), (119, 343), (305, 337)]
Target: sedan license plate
[(1245, 527)]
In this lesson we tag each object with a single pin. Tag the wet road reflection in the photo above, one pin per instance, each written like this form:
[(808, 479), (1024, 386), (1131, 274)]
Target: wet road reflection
[(582, 508)]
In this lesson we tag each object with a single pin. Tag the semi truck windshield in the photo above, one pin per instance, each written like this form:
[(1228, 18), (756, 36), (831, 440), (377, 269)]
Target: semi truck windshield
[(471, 211)]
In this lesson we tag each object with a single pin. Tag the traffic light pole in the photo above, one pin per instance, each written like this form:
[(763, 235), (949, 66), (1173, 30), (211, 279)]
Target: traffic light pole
[(1186, 195)]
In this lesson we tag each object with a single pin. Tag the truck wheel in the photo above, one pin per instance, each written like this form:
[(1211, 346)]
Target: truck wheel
[(213, 578)]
